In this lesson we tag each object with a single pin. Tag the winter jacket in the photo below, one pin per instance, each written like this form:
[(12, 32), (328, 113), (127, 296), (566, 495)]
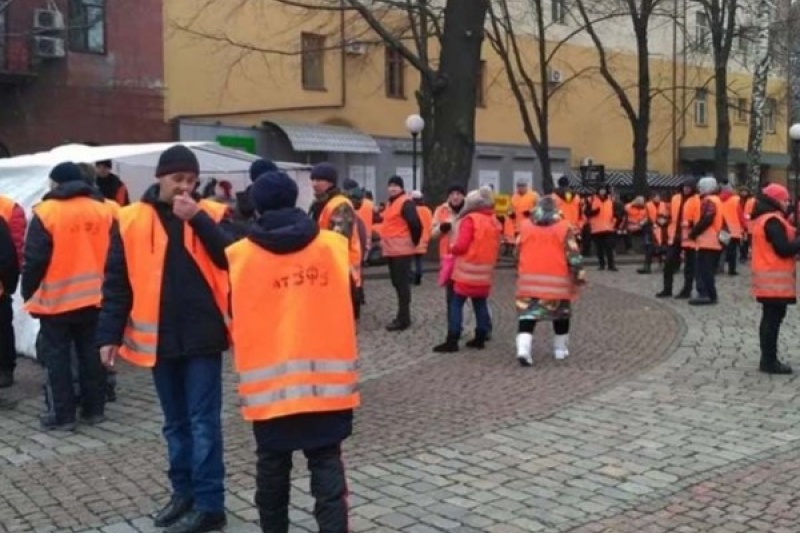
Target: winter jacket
[(9, 264), (38, 250), (777, 237), (287, 231), (113, 189), (17, 225), (464, 238), (190, 322)]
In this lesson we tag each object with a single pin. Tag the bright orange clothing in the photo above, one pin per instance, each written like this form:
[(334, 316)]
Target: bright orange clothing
[(637, 217), (570, 211), (145, 244), (691, 214), (354, 249), (749, 205), (476, 266), (289, 362), (395, 235), (426, 219), (80, 229), (730, 213), (444, 215), (709, 239), (658, 213), (366, 213), (521, 204), (602, 222), (543, 271), (773, 276)]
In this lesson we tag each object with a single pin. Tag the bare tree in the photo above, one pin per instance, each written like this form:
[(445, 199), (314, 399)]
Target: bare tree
[(447, 92), (641, 14), (765, 13), (529, 81), (721, 19)]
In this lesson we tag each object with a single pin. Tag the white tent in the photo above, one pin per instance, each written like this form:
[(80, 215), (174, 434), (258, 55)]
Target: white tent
[(25, 179)]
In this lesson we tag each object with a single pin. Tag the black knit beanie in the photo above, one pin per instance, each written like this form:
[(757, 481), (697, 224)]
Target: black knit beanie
[(261, 166), (176, 159), (397, 180), (65, 172), (457, 187)]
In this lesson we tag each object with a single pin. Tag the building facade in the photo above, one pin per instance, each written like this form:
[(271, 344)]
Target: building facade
[(80, 71)]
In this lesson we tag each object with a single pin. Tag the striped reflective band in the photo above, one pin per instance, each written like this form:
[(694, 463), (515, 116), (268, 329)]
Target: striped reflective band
[(473, 271), (56, 301), (68, 293), (398, 246), (136, 328), (774, 281), (295, 392), (81, 278), (543, 283), (318, 366)]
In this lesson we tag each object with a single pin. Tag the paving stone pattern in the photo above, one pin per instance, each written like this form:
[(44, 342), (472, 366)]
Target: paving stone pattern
[(651, 425)]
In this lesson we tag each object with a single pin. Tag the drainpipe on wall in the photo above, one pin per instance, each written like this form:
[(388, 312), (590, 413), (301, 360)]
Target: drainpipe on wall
[(342, 100), (683, 89), (675, 89)]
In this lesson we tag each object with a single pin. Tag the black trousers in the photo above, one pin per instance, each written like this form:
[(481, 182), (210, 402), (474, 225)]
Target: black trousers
[(604, 242), (672, 263), (732, 254), (58, 335), (400, 272), (8, 349), (772, 315), (273, 484), (560, 327), (706, 273), (744, 249)]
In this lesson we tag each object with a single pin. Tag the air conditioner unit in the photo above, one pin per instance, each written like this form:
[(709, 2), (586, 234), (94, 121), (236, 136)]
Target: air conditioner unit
[(48, 47), (554, 76), (48, 20), (355, 48), (587, 162)]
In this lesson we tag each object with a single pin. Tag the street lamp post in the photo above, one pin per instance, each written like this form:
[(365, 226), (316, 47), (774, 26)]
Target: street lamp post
[(414, 124), (794, 135)]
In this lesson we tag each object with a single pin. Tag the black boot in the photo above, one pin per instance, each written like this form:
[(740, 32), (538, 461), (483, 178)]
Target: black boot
[(479, 342), (448, 346), (173, 511), (645, 270), (198, 522), (417, 279), (776, 367), (685, 294), (6, 378), (398, 325)]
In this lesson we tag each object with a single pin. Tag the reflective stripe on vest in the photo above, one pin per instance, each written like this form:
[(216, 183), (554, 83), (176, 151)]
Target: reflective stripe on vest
[(299, 392), (776, 284), (296, 366), (473, 273), (83, 290), (772, 276), (545, 286)]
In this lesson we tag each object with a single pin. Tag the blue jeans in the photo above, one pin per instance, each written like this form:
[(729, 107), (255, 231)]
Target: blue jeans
[(455, 317), (190, 392)]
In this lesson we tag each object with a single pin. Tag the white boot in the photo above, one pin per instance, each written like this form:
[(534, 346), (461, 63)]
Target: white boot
[(560, 349), (524, 348)]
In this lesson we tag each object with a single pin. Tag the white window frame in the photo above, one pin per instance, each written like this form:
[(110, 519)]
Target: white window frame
[(701, 107)]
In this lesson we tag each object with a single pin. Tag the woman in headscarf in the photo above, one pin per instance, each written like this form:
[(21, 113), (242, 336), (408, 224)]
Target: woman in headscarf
[(549, 271)]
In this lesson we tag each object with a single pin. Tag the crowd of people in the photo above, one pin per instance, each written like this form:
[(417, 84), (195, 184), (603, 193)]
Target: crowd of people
[(170, 282)]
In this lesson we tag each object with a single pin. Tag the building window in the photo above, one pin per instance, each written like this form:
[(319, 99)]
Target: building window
[(742, 110), (480, 93), (395, 74), (701, 30), (701, 107), (313, 61), (770, 106), (559, 8), (87, 26)]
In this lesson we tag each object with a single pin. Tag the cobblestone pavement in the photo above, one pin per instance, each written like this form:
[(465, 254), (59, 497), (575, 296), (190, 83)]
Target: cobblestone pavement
[(649, 426)]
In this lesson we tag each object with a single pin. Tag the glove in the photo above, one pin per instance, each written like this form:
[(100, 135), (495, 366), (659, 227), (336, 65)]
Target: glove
[(445, 227), (512, 216), (526, 214)]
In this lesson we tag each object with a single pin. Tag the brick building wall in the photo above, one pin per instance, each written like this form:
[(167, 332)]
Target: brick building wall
[(111, 97)]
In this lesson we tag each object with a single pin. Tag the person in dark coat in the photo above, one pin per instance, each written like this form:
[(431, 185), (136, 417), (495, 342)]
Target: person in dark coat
[(110, 184), (784, 242), (282, 229), (9, 277), (245, 211), (191, 336)]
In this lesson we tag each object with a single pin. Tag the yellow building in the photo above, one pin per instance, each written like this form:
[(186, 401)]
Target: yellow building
[(274, 80)]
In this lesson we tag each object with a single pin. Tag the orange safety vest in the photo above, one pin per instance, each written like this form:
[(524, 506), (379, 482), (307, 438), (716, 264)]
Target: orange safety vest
[(570, 211), (730, 213), (288, 362), (442, 215), (79, 228), (366, 213), (113, 208), (709, 239), (6, 208), (749, 205), (145, 243), (602, 222), (691, 214), (354, 252), (520, 204), (637, 216), (654, 212), (509, 232), (395, 235), (543, 271), (476, 267), (426, 219), (773, 276)]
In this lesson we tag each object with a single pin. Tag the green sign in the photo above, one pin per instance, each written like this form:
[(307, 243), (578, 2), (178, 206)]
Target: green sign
[(245, 144)]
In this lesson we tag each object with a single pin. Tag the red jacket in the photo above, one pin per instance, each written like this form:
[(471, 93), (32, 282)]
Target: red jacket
[(465, 236), (17, 225)]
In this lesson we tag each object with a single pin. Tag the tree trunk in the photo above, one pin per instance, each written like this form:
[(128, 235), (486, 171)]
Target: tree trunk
[(755, 137), (723, 141), (641, 126), (450, 139)]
